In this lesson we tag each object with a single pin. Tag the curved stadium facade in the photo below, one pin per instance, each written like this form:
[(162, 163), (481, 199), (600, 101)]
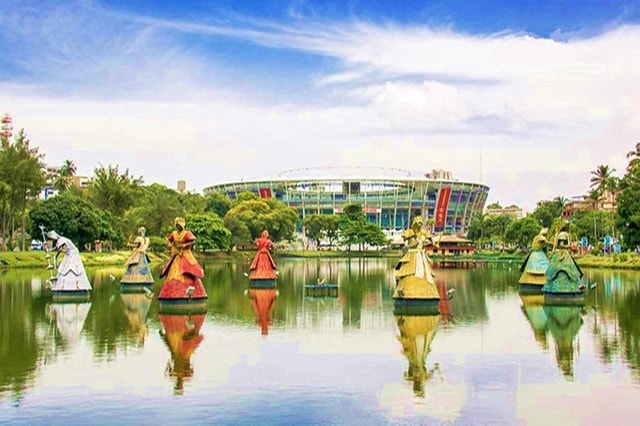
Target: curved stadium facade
[(389, 197)]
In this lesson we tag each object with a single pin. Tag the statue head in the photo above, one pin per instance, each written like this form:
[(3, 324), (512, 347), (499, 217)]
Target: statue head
[(53, 235), (141, 231), (544, 231), (179, 223), (418, 222)]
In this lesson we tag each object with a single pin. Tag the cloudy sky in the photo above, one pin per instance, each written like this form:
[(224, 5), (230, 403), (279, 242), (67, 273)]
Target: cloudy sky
[(526, 96)]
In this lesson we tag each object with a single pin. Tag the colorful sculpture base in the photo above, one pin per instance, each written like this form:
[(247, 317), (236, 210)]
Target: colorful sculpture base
[(73, 296), (531, 288), (183, 306), (564, 299), (416, 306), (262, 284), (135, 288), (321, 290)]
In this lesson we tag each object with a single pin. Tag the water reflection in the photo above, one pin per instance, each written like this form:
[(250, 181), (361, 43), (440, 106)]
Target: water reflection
[(564, 322), (69, 318), (263, 302), (416, 334), (181, 334), (136, 308), (490, 341), (533, 310)]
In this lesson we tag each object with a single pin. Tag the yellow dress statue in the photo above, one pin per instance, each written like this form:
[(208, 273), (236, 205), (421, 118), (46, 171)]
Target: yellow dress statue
[(414, 273)]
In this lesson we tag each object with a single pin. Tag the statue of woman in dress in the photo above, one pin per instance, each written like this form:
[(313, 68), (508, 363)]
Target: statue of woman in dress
[(183, 272), (138, 271), (71, 273), (263, 267), (414, 274)]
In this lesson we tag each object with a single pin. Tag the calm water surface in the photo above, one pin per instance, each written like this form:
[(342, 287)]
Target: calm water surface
[(492, 356)]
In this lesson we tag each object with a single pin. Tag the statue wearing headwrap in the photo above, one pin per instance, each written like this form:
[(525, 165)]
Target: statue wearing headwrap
[(536, 262), (183, 272)]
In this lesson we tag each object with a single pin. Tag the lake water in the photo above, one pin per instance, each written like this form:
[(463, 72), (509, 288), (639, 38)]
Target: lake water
[(490, 357)]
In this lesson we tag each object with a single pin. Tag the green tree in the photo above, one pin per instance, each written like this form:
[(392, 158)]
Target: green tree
[(314, 227), (628, 211), (21, 179), (521, 232), (210, 231), (218, 203), (155, 207), (546, 211), (74, 217), (63, 179), (112, 190), (258, 215), (355, 229)]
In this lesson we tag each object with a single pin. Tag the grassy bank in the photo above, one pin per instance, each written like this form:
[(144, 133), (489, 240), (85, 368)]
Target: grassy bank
[(36, 259)]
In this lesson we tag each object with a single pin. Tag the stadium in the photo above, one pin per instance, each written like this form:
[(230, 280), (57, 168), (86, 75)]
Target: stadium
[(389, 197)]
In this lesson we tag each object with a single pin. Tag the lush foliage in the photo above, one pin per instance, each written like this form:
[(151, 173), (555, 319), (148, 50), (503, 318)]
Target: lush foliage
[(628, 212), (355, 229), (210, 231), (21, 179)]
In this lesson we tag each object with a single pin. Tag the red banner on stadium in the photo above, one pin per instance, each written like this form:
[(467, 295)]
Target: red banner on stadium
[(265, 193), (441, 207)]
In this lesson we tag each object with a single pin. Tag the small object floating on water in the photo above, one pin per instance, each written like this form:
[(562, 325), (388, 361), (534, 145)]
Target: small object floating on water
[(593, 286), (148, 292), (450, 292), (112, 278)]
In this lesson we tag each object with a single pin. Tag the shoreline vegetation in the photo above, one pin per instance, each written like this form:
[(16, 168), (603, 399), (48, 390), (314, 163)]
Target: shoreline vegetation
[(36, 259)]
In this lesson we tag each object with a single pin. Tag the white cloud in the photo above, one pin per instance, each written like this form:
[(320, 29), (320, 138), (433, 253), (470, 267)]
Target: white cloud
[(131, 90)]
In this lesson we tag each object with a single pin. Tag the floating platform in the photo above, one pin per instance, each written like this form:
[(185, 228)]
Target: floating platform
[(135, 287), (262, 283), (531, 288), (321, 290), (71, 295), (572, 298), (416, 306), (183, 306)]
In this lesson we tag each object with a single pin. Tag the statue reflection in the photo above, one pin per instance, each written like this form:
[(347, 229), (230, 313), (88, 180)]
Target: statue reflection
[(70, 318), (533, 309), (416, 334), (181, 334), (263, 302), (564, 322), (136, 308)]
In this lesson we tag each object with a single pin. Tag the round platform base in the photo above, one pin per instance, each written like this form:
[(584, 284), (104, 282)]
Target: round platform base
[(573, 298), (71, 295), (262, 283), (416, 306), (321, 290), (183, 306), (531, 288), (135, 288)]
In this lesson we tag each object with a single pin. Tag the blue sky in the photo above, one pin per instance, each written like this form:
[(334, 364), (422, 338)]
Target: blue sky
[(525, 96)]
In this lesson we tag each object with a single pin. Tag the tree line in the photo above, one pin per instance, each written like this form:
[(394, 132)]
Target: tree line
[(622, 220)]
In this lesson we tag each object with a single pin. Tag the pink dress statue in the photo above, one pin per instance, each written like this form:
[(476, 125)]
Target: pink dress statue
[(263, 266)]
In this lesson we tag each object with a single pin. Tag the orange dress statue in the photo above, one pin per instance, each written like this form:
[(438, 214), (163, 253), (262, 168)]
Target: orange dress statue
[(263, 266), (183, 272)]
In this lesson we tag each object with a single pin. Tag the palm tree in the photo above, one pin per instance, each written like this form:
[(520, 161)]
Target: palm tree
[(634, 155), (62, 179), (601, 179)]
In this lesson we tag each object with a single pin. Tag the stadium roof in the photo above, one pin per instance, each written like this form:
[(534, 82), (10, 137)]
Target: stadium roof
[(346, 173)]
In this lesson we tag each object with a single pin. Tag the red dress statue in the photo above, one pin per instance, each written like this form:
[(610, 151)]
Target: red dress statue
[(263, 266), (182, 271)]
